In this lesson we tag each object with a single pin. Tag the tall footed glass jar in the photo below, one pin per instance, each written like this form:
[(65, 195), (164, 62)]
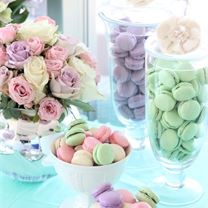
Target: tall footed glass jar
[(127, 28), (177, 118)]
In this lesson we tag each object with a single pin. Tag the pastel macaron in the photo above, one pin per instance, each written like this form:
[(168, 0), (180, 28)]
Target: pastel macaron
[(141, 205), (119, 139), (103, 154), (79, 123), (82, 157), (148, 196), (90, 143), (127, 89), (165, 101), (65, 153), (119, 153), (110, 199), (101, 189), (75, 136), (189, 110), (169, 140), (126, 41), (102, 133), (126, 196), (183, 91), (121, 74)]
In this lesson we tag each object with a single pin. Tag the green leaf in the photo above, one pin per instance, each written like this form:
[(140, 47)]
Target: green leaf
[(16, 4), (20, 17), (36, 118), (15, 113), (11, 104), (7, 114), (19, 11), (62, 117), (4, 101), (86, 107)]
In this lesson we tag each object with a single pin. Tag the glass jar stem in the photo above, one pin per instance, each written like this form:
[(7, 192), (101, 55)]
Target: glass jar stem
[(174, 178)]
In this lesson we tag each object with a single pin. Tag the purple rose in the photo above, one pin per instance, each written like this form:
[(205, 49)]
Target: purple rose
[(67, 84), (18, 52)]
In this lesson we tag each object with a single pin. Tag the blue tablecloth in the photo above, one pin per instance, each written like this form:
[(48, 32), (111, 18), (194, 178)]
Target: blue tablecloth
[(141, 169)]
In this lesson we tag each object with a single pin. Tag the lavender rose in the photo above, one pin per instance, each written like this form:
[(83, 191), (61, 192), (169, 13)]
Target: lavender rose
[(67, 84), (18, 52)]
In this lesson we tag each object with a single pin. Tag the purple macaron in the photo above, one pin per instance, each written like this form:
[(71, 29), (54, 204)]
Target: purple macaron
[(142, 88), (101, 189), (119, 53), (126, 41), (134, 64), (127, 89), (110, 199), (136, 101), (119, 99), (121, 74), (138, 77), (139, 113), (138, 52), (126, 112)]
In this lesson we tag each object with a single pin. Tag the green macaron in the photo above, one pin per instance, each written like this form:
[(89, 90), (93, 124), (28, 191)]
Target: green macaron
[(189, 110), (202, 115), (169, 140), (79, 123), (171, 119), (168, 78), (183, 91), (148, 196), (164, 101), (188, 130), (154, 112), (202, 94), (103, 154), (185, 71), (203, 75), (188, 146), (75, 136)]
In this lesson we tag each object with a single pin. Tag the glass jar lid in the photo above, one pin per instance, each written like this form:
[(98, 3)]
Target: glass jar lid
[(153, 49), (120, 12)]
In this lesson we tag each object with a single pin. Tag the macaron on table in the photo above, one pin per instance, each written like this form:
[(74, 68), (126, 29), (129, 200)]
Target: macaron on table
[(176, 113), (105, 196), (87, 157), (128, 28)]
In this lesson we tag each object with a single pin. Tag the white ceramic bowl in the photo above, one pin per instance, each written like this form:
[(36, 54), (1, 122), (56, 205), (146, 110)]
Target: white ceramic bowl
[(85, 179)]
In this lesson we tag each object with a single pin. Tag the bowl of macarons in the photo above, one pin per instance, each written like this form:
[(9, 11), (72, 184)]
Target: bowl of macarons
[(85, 157)]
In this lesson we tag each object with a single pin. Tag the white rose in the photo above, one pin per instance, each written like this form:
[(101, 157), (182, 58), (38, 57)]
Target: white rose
[(43, 30), (178, 35), (88, 91), (35, 72)]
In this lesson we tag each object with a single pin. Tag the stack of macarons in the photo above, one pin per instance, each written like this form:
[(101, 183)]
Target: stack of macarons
[(91, 147), (106, 196), (177, 93), (129, 71)]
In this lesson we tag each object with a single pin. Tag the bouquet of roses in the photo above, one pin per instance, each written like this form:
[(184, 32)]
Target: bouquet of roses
[(43, 73), (12, 11)]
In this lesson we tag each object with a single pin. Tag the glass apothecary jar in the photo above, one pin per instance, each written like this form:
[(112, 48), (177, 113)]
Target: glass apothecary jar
[(177, 89), (127, 29)]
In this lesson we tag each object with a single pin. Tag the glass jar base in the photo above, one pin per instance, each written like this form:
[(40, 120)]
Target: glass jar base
[(76, 202), (188, 194)]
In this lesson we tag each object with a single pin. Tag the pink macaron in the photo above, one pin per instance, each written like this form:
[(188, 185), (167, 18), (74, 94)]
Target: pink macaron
[(65, 153), (118, 138), (126, 196), (89, 143), (141, 205), (102, 134)]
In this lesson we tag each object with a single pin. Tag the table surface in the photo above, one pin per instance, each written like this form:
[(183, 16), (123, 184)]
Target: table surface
[(141, 169)]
